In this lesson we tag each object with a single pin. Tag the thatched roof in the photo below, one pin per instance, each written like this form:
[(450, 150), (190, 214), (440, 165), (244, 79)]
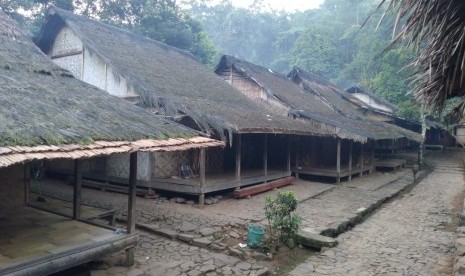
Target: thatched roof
[(310, 106), (346, 104), (374, 96), (46, 110), (171, 81), (436, 27)]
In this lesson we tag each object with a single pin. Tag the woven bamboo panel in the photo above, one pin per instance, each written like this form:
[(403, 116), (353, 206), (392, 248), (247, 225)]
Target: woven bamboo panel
[(11, 187), (214, 160), (168, 164)]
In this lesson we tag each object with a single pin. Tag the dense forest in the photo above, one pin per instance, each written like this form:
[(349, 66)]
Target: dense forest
[(344, 41)]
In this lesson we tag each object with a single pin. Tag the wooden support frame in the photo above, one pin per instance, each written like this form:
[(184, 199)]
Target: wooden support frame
[(361, 161), (27, 184), (238, 160), (297, 157), (372, 156), (131, 223), (350, 159), (77, 189), (265, 156), (288, 160), (338, 161), (202, 176)]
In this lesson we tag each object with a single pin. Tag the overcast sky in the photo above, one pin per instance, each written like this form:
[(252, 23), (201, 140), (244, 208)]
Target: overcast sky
[(288, 5)]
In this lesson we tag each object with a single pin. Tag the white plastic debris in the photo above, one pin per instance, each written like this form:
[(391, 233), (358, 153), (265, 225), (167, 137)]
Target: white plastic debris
[(242, 245)]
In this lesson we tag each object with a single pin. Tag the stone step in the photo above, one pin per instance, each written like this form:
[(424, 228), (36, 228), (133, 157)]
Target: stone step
[(308, 237)]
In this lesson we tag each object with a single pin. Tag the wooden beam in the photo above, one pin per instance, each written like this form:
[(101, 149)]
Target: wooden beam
[(265, 156), (70, 53), (77, 189), (238, 158), (202, 176), (288, 164), (131, 226), (27, 183), (297, 149), (338, 160), (350, 159), (361, 162)]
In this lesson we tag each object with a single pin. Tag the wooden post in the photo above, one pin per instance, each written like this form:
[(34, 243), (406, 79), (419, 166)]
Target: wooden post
[(131, 226), (77, 189), (238, 160), (131, 223), (27, 184), (288, 165), (372, 155), (338, 160), (350, 159), (265, 157), (202, 177), (297, 158), (361, 162)]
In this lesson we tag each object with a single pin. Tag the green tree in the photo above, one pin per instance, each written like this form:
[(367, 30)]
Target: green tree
[(316, 51), (162, 20)]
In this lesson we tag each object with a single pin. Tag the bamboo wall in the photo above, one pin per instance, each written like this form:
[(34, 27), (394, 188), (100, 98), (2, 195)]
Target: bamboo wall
[(11, 187)]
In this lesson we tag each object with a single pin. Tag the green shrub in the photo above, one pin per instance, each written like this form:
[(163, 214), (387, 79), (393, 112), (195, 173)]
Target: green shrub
[(282, 223)]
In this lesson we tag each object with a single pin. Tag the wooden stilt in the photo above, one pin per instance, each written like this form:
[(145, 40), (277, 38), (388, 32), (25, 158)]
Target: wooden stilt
[(27, 184), (131, 223), (265, 157), (288, 164), (350, 159), (338, 161), (130, 256), (202, 177), (297, 149), (77, 189), (361, 162), (131, 226), (372, 156), (238, 160)]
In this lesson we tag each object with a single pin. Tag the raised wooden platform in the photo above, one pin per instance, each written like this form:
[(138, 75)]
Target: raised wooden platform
[(213, 182), (332, 171), (391, 163), (433, 147), (35, 242)]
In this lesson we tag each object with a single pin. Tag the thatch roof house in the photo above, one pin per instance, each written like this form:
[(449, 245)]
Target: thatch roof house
[(172, 83), (48, 114), (307, 104), (372, 100)]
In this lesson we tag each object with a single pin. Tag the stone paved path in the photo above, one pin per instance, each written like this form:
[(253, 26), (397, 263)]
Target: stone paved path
[(160, 256), (413, 235)]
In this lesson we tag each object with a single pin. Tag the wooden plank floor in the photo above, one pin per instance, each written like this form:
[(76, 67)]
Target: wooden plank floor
[(27, 234), (332, 172)]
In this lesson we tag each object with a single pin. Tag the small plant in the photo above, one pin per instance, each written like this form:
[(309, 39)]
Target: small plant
[(282, 223)]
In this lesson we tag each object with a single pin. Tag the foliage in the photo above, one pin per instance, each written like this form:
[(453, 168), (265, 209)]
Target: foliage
[(316, 51), (162, 20), (282, 223), (342, 41)]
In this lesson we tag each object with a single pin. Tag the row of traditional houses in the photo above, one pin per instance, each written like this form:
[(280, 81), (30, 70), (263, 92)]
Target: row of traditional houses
[(101, 104)]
